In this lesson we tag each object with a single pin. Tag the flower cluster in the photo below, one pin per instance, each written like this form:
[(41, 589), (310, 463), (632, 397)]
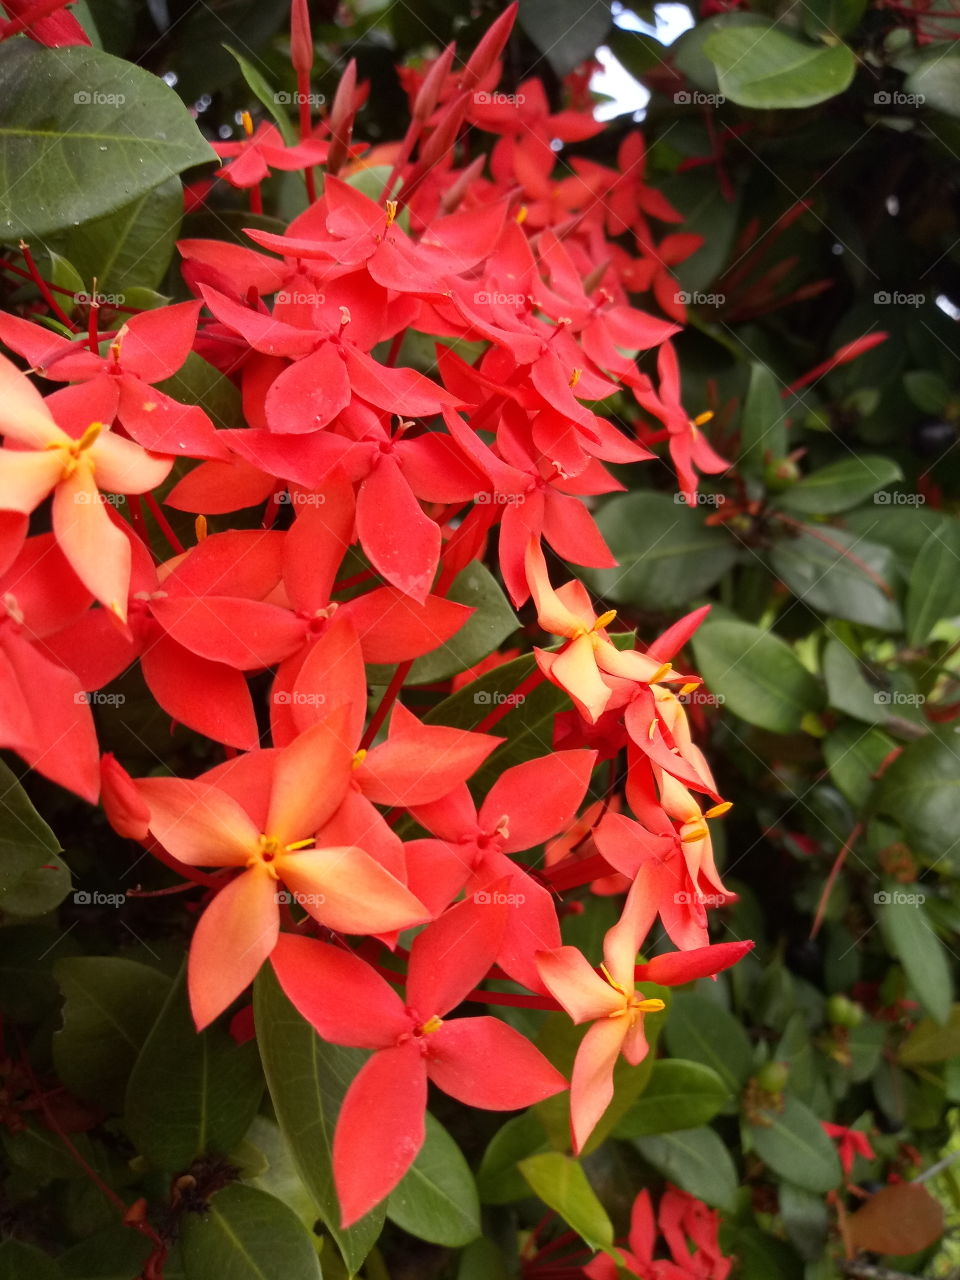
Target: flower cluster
[(400, 469)]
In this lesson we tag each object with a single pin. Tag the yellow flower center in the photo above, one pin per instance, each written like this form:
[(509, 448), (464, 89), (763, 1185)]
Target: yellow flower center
[(72, 449), (270, 849)]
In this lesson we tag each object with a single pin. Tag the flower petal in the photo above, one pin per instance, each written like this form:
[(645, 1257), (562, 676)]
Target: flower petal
[(484, 1063), (567, 975), (197, 823), (591, 1085), (232, 939), (347, 891)]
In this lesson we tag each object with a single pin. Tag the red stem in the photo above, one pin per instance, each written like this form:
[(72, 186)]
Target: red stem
[(838, 862), (41, 284), (535, 678), (386, 702), (165, 527)]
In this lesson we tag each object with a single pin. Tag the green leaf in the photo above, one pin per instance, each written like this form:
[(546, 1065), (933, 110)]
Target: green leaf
[(763, 423), (696, 1161), (838, 574), (792, 1142), (831, 18), (110, 1004), (931, 1041), (847, 687), (115, 1254), (840, 486), (932, 594), (679, 1095), (920, 790), (18, 1261), (308, 1079), (84, 133), (667, 555), (853, 756), (922, 954), (689, 53), (486, 629), (928, 390), (267, 96), (190, 1093), (197, 382), (246, 1234), (758, 674), (129, 248), (806, 1219), (33, 878), (498, 1180), (562, 1185), (702, 1030), (28, 990), (482, 1260), (437, 1197), (936, 80), (763, 67), (565, 31)]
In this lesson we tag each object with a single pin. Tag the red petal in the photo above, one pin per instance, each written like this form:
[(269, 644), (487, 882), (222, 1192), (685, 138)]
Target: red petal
[(310, 393), (232, 939), (559, 783), (393, 627), (402, 542), (484, 1063), (454, 954), (207, 697)]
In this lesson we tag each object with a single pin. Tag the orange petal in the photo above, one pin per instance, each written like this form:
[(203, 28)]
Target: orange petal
[(123, 467), (622, 942), (347, 891), (552, 614), (591, 1085), (27, 476), (234, 936), (98, 551), (310, 778), (568, 977), (24, 416), (199, 824), (575, 669)]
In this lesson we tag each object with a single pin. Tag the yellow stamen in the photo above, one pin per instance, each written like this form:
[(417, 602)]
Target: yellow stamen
[(689, 688), (299, 844), (575, 377), (652, 730), (358, 759), (697, 831), (661, 673), (613, 982), (247, 121), (88, 437), (391, 212), (521, 215), (431, 1025), (604, 620), (648, 1006), (702, 418), (200, 527), (719, 810)]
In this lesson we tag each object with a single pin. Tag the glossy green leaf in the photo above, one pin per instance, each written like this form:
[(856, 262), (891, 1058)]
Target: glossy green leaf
[(267, 96), (758, 674), (18, 1261), (695, 1160), (792, 1142), (75, 112), (482, 633), (679, 1095), (114, 1254), (932, 1041), (933, 593), (928, 390), (437, 1197), (806, 1219), (565, 31), (919, 791), (828, 19), (190, 1093), (848, 689), (197, 382), (246, 1234), (936, 80), (28, 952), (109, 1005), (764, 67), (912, 939), (840, 486), (562, 1185), (853, 755), (28, 850), (308, 1079), (840, 575), (498, 1178), (763, 422), (702, 1030), (667, 556)]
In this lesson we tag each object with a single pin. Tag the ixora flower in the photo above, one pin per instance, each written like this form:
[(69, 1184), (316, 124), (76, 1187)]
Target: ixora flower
[(260, 812), (479, 1061), (682, 1220), (610, 1000), (73, 465)]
